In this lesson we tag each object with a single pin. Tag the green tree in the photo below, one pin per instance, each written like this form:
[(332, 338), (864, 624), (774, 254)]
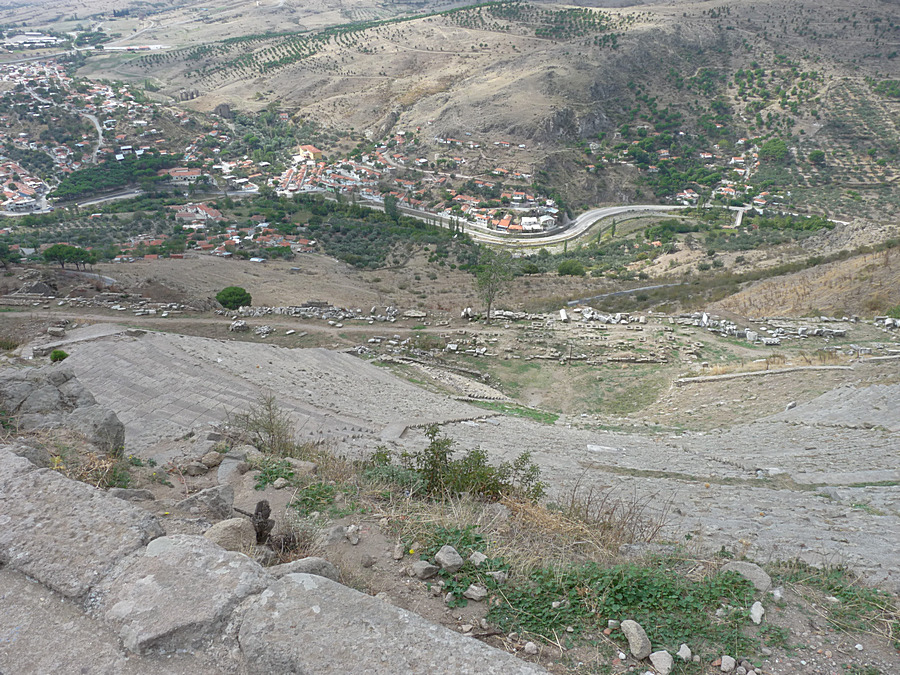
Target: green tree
[(233, 297), (7, 256), (571, 268), (63, 253), (495, 271), (390, 207), (774, 150), (817, 157)]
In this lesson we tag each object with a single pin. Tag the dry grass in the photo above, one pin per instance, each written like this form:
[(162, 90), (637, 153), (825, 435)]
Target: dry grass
[(590, 526)]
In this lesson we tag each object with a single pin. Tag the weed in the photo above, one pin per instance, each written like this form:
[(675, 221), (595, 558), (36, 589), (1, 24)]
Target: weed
[(672, 608), (775, 636), (58, 355), (160, 477), (7, 344), (268, 426), (858, 607), (518, 411), (271, 469), (465, 540), (134, 460), (314, 497)]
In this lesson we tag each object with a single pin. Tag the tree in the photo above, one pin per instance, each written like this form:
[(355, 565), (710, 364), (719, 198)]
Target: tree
[(63, 253), (773, 150), (7, 256), (572, 268), (390, 207), (817, 157), (493, 276), (233, 297)]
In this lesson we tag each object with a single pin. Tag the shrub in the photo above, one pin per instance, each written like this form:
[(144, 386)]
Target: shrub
[(571, 268), (233, 297), (443, 475), (58, 355)]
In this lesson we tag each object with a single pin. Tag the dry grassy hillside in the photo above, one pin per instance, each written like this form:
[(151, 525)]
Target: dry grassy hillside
[(867, 284)]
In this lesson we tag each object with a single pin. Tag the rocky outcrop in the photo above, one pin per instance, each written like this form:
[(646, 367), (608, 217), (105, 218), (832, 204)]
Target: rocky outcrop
[(42, 398), (65, 534), (335, 629), (181, 603)]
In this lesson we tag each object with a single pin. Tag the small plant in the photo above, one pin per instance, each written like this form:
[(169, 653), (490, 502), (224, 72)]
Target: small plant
[(860, 608), (314, 497), (8, 344), (268, 427), (58, 355), (271, 470), (134, 460)]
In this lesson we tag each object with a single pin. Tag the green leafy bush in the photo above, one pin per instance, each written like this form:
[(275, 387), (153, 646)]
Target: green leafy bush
[(233, 297), (443, 475), (571, 268), (58, 355)]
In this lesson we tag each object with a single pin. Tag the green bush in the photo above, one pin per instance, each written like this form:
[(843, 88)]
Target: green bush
[(233, 297), (58, 355), (571, 268), (443, 475)]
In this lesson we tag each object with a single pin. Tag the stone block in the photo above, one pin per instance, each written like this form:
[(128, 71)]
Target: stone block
[(309, 624), (176, 594), (66, 534)]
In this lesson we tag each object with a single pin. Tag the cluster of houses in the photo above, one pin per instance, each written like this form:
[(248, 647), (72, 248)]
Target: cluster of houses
[(21, 190)]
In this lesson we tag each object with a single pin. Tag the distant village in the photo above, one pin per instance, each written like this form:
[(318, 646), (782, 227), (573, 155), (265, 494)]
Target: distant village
[(128, 125)]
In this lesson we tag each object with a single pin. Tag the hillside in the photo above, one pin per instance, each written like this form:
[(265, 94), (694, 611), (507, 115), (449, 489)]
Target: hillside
[(572, 84)]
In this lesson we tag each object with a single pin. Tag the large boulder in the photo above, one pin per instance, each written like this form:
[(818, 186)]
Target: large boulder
[(49, 397), (176, 594), (310, 624), (63, 533)]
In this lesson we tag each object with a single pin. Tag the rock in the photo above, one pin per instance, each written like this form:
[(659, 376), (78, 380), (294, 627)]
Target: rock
[(216, 503), (398, 552), (449, 559), (312, 565), (37, 455), (531, 649), (132, 495), (761, 581), (280, 483), (638, 642), (499, 576), (234, 534), (352, 534), (334, 535), (56, 331), (612, 624), (195, 469), (475, 592), (662, 661), (756, 612), (176, 593), (212, 459), (100, 426), (308, 624), (231, 470), (466, 628), (367, 560), (684, 653), (728, 664), (424, 569), (62, 533), (301, 467), (477, 558)]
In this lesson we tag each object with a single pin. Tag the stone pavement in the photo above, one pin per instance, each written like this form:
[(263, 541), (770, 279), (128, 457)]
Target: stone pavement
[(163, 387), (820, 481)]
